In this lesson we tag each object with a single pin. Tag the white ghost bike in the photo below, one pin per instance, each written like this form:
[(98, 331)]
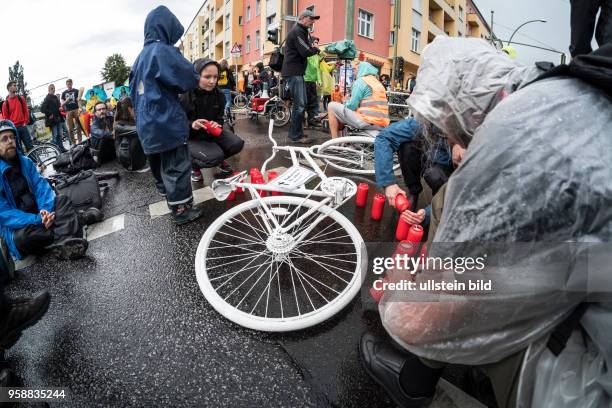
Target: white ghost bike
[(282, 262)]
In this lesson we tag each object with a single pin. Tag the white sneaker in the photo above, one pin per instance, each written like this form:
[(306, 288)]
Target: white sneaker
[(196, 176)]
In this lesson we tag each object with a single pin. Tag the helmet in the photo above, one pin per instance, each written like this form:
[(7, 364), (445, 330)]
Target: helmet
[(7, 125)]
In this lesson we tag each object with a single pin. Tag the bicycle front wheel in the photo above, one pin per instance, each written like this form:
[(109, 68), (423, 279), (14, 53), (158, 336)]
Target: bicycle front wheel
[(240, 101), (351, 154), (44, 156), (267, 281)]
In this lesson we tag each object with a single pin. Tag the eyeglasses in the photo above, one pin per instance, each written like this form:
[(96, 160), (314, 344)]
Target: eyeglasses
[(6, 139)]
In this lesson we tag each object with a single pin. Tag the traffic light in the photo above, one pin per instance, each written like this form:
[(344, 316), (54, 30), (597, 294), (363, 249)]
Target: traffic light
[(273, 36), (400, 64)]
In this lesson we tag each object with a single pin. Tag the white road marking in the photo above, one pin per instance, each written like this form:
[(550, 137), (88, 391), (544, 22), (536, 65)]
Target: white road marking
[(108, 226)]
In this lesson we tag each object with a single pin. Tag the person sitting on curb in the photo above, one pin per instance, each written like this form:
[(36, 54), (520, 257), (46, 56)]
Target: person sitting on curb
[(202, 105), (367, 109), (33, 220), (101, 134)]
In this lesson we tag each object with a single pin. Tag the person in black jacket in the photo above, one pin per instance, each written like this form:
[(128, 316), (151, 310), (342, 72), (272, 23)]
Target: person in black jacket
[(582, 20), (297, 50), (205, 107), (51, 108)]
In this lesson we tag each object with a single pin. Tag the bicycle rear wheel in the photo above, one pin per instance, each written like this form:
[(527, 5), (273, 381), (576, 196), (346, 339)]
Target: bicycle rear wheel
[(351, 154), (240, 101), (260, 281), (44, 155)]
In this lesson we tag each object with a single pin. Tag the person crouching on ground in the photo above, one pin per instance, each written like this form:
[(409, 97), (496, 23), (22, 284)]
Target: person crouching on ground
[(367, 109), (204, 107), (158, 75), (33, 219), (101, 134)]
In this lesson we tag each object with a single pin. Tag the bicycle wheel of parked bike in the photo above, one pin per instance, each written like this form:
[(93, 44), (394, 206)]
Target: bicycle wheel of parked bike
[(240, 101), (44, 155), (351, 154), (271, 282), (280, 114)]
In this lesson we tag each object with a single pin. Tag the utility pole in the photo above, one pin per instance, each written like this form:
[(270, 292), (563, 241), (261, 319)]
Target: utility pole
[(396, 24), (492, 35), (349, 22)]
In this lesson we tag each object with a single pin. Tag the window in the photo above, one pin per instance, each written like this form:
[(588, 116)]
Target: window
[(270, 20), (461, 13), (391, 38), (257, 7), (416, 39), (248, 44), (365, 23), (257, 40), (227, 49), (240, 20), (227, 21), (417, 5), (248, 13), (417, 20)]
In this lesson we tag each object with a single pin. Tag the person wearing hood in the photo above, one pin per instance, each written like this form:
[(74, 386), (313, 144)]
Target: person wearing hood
[(536, 171), (159, 74), (210, 142), (367, 109), (33, 220)]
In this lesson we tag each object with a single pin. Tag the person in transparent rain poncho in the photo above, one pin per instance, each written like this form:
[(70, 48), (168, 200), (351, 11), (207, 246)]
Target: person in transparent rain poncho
[(533, 197)]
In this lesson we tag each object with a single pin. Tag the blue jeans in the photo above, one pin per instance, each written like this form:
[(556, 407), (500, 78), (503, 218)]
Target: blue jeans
[(297, 89), (23, 135), (56, 136), (228, 97)]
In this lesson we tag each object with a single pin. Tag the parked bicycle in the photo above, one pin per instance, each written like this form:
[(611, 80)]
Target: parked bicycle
[(287, 262), (398, 104)]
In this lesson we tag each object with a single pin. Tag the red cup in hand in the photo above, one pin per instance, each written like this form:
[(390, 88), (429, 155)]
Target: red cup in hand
[(212, 129)]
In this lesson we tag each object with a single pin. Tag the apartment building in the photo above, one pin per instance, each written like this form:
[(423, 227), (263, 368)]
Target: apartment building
[(216, 27), (221, 23)]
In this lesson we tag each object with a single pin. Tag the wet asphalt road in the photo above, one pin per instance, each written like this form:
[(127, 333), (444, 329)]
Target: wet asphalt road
[(128, 325)]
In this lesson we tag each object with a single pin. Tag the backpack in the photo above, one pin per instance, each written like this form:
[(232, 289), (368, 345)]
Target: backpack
[(74, 160), (128, 148), (276, 58), (82, 189)]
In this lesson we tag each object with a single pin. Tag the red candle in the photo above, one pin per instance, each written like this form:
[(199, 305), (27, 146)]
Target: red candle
[(415, 234), (231, 196), (401, 203), (214, 131), (238, 189), (378, 205), (259, 180), (401, 232), (271, 176), (253, 172), (361, 198)]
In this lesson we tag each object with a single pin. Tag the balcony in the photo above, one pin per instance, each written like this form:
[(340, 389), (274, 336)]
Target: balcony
[(473, 20), (441, 4), (435, 30)]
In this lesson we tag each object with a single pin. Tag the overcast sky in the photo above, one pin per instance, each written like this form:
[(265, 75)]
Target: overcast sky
[(54, 39)]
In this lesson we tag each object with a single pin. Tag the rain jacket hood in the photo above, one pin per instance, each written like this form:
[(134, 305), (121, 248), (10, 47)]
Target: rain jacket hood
[(161, 25), (159, 74), (365, 68), (460, 82)]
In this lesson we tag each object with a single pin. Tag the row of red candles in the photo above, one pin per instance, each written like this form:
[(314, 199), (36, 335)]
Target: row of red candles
[(256, 178)]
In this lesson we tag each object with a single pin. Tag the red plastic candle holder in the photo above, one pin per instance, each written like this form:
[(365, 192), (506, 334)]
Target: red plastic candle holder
[(361, 199), (378, 206)]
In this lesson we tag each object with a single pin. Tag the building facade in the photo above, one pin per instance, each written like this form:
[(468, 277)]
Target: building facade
[(221, 23)]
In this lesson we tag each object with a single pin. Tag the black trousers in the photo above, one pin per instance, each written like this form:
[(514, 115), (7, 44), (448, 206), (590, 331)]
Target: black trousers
[(172, 170), (33, 239), (326, 101), (582, 21), (211, 151), (312, 100), (410, 156)]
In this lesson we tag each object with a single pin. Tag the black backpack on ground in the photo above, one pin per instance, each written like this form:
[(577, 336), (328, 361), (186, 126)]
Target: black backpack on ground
[(82, 189), (74, 160), (128, 148)]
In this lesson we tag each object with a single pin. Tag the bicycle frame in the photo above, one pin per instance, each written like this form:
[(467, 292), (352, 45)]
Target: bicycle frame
[(339, 190)]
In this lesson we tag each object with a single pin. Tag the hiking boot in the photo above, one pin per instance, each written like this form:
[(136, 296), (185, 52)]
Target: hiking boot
[(185, 214), (69, 248), (196, 176), (21, 315), (384, 364), (90, 216), (225, 170)]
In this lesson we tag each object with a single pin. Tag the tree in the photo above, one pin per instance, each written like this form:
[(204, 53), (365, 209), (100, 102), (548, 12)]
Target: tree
[(16, 74), (115, 70)]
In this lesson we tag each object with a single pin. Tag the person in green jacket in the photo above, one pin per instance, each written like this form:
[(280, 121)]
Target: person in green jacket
[(312, 78)]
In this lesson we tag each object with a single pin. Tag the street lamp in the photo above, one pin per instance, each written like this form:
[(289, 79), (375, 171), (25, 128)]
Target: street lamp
[(525, 23)]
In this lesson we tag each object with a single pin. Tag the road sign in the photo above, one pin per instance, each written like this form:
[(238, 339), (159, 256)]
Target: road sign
[(291, 18), (236, 49)]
